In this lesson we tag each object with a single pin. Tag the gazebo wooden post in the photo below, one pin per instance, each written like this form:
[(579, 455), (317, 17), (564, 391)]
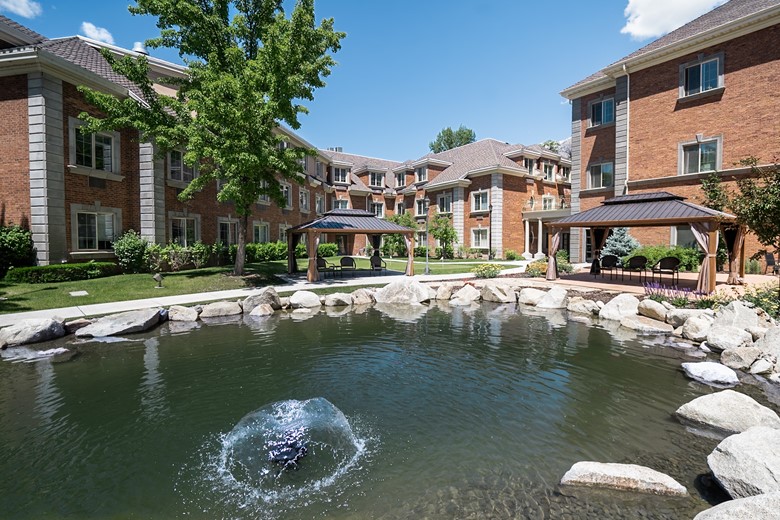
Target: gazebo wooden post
[(291, 265), (311, 274), (712, 257), (410, 260), (742, 261)]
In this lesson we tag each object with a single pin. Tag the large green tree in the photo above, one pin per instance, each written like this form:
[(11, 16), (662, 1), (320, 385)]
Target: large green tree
[(395, 244), (757, 204), (442, 230), (449, 138), (250, 67)]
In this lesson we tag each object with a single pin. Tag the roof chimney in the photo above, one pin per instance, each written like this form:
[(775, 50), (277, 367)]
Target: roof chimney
[(140, 48)]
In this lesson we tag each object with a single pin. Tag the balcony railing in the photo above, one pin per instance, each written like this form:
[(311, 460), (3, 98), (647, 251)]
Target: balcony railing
[(547, 204)]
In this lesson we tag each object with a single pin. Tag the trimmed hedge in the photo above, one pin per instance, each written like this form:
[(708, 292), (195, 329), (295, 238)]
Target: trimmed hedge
[(62, 272), (690, 258)]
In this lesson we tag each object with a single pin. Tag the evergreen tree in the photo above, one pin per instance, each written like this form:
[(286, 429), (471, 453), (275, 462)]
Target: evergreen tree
[(620, 243)]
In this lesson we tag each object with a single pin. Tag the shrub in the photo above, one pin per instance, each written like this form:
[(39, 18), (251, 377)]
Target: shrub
[(562, 261), (620, 243), (537, 268), (486, 270), (766, 296), (511, 254), (690, 258), (419, 251), (221, 253), (753, 267), (16, 248), (62, 272), (155, 258), (201, 254), (178, 256), (300, 252), (444, 252), (328, 249), (130, 251)]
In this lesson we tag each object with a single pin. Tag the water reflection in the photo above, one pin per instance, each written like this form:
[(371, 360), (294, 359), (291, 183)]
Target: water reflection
[(152, 385), (402, 313)]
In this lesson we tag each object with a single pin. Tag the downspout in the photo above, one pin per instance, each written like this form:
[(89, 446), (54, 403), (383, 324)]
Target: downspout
[(628, 127)]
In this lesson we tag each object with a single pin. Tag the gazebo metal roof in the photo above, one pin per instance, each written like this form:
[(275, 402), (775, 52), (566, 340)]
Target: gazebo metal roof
[(648, 209), (350, 221)]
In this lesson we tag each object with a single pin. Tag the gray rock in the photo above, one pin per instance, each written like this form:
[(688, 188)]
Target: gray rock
[(362, 297), (668, 306), (498, 293), (467, 293), (724, 337), (748, 463), (625, 477), (221, 309), (736, 314), (711, 373), (405, 292), (338, 300), (677, 317), (645, 325), (770, 344), (33, 330), (182, 313), (619, 307), (268, 296), (580, 305), (759, 507), (695, 328), (739, 358), (756, 332), (72, 326), (304, 300), (762, 366), (728, 411), (284, 301), (122, 323), (652, 309), (445, 290), (264, 309), (600, 304), (458, 302), (530, 296), (555, 298)]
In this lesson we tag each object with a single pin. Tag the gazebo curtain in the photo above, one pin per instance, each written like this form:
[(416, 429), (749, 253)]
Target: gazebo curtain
[(376, 241), (312, 247), (410, 253), (292, 241), (734, 237), (701, 231), (552, 261), (598, 237)]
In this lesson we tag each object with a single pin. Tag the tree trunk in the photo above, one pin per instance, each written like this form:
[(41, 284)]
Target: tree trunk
[(243, 221)]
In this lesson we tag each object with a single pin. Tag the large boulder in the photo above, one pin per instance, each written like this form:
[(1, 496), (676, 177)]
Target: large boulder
[(711, 373), (652, 309), (362, 297), (445, 290), (262, 310), (492, 292), (728, 411), (405, 292), (739, 358), (759, 507), (645, 325), (467, 294), (619, 307), (221, 309), (694, 328), (748, 463), (31, 331), (580, 305), (268, 296), (769, 345), (736, 314), (338, 300), (625, 477), (555, 298), (677, 317), (122, 323), (724, 337), (530, 296), (304, 300), (182, 313)]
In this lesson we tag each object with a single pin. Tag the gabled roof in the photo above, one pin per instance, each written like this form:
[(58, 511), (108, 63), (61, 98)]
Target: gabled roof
[(351, 221), (644, 209), (17, 34), (721, 16)]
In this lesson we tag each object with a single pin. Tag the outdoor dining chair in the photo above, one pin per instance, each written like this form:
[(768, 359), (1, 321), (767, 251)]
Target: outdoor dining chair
[(667, 265), (377, 264), (348, 264), (609, 263), (326, 267), (771, 264), (636, 264)]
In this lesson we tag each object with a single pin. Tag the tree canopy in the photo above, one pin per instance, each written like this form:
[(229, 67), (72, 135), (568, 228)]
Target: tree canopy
[(449, 138), (552, 145), (250, 67)]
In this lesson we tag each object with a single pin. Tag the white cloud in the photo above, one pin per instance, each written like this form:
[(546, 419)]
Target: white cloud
[(25, 8), (96, 33), (653, 18)]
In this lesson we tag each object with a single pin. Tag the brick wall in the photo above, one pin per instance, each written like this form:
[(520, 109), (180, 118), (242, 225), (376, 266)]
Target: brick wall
[(598, 143), (14, 151)]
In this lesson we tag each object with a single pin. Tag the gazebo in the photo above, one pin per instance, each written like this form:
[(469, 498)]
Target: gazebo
[(660, 209), (349, 222)]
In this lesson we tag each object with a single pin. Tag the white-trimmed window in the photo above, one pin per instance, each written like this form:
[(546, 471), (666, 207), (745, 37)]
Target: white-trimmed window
[(564, 172), (480, 201), (378, 209), (548, 169), (319, 168), (341, 175), (531, 203), (319, 204), (264, 198), (100, 151), (376, 179), (422, 240), (261, 232), (683, 236), (421, 174), (227, 231), (287, 194), (548, 202), (95, 230), (340, 203), (304, 162), (400, 179), (177, 170), (700, 157), (701, 75), (601, 175), (530, 165), (602, 112), (184, 231), (479, 238), (304, 200), (283, 232), (444, 202), (400, 208), (420, 209)]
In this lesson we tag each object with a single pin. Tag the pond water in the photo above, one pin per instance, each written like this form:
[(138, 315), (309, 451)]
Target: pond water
[(439, 413)]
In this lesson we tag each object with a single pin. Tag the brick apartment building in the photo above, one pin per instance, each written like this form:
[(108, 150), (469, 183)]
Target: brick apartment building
[(77, 192), (697, 100)]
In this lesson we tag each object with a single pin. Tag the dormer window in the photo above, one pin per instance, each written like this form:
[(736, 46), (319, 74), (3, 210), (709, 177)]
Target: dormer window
[(340, 175), (564, 173), (530, 165), (400, 179), (548, 171), (421, 174), (376, 179)]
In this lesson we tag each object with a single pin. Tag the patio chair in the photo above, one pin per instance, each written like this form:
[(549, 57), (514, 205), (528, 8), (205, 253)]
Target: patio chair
[(667, 265), (377, 264), (635, 264), (348, 264), (770, 264), (326, 267), (609, 263)]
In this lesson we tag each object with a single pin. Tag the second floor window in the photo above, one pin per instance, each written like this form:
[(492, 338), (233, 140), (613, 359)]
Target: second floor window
[(420, 208), (378, 209), (601, 176), (701, 77), (479, 201), (564, 173), (303, 199), (548, 171), (548, 203), (340, 203), (400, 208), (264, 198), (700, 157), (421, 174), (287, 194), (376, 179), (95, 151), (444, 202), (319, 204), (340, 175), (177, 170), (602, 112)]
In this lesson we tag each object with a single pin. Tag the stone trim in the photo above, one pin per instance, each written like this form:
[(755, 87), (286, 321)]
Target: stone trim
[(152, 195), (458, 216), (575, 176), (497, 216), (621, 136)]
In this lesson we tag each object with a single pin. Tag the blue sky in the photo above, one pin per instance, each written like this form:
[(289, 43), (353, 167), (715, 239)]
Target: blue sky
[(409, 68)]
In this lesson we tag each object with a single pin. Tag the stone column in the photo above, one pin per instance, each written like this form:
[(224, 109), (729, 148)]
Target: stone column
[(152, 187), (539, 253), (526, 253)]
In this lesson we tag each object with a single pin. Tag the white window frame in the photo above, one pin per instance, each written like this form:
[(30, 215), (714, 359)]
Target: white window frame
[(549, 170), (283, 232), (607, 101), (684, 91), (444, 202), (341, 175), (374, 206), (340, 203), (264, 198), (319, 168), (477, 207), (185, 174), (188, 241), (530, 165), (564, 172), (319, 204), (600, 166), (114, 171), (700, 140), (304, 200), (76, 209), (287, 193), (548, 203), (421, 174), (376, 179), (258, 228), (400, 179), (675, 238), (419, 207), (476, 239), (232, 229), (400, 208)]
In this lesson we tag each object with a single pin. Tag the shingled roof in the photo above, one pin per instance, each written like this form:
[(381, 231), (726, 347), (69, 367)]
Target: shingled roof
[(351, 221), (29, 34)]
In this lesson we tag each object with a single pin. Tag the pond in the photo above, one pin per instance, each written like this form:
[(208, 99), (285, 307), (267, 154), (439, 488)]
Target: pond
[(447, 412)]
